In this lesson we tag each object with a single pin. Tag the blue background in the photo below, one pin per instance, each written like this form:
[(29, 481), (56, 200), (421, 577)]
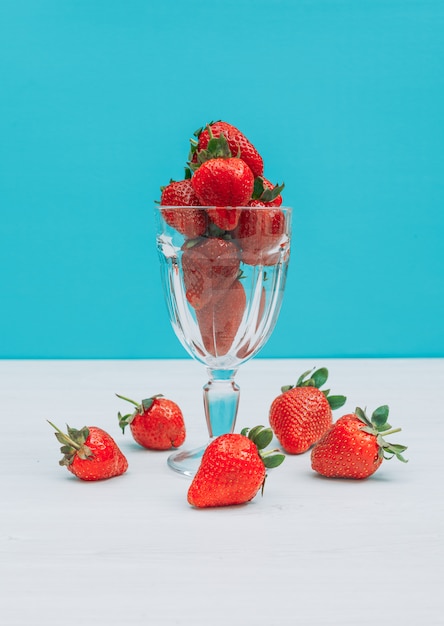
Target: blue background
[(97, 102)]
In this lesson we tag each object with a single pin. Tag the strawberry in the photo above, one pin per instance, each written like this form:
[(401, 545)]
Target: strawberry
[(238, 144), (156, 424), (260, 234), (301, 414), (179, 193), (90, 453), (223, 182), (233, 468), (354, 447), (210, 266), (219, 320), (190, 222)]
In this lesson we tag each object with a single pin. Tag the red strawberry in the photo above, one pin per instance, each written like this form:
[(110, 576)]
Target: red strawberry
[(90, 453), (190, 222), (233, 468), (260, 234), (219, 320), (354, 447), (301, 414), (223, 182), (210, 266), (239, 145), (157, 423), (179, 193)]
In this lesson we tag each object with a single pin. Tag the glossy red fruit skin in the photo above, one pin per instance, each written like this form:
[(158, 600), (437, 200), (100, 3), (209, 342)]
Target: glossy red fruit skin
[(259, 234), (161, 427), (209, 266), (179, 193), (107, 460), (219, 320), (191, 222), (231, 472), (238, 144), (299, 417), (223, 182), (345, 451)]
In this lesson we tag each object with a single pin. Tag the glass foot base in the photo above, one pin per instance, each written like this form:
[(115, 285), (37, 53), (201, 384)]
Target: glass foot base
[(186, 462)]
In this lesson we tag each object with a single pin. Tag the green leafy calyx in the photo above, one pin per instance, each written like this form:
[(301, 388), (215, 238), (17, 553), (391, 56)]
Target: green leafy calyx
[(317, 378), (262, 193), (262, 437), (378, 426), (73, 444), (217, 148)]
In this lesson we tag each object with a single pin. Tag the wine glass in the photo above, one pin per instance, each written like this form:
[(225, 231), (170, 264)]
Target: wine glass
[(223, 289)]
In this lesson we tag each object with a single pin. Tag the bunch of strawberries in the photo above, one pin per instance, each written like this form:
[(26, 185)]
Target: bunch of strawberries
[(233, 467), (224, 173)]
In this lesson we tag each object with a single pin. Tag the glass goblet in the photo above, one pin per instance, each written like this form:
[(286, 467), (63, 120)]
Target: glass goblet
[(223, 289)]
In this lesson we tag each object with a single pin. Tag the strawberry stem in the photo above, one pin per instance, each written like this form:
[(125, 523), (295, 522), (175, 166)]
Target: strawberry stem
[(65, 437), (136, 404)]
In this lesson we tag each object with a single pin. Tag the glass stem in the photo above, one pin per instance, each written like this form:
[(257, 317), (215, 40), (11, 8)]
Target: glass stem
[(221, 400)]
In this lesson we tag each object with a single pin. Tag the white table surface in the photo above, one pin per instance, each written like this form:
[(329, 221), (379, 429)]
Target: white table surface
[(130, 550)]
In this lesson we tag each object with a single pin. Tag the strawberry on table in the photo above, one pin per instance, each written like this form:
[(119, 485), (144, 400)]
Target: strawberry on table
[(220, 318), (233, 468), (210, 266), (355, 445), (191, 222), (90, 453), (238, 144), (301, 414), (156, 424)]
